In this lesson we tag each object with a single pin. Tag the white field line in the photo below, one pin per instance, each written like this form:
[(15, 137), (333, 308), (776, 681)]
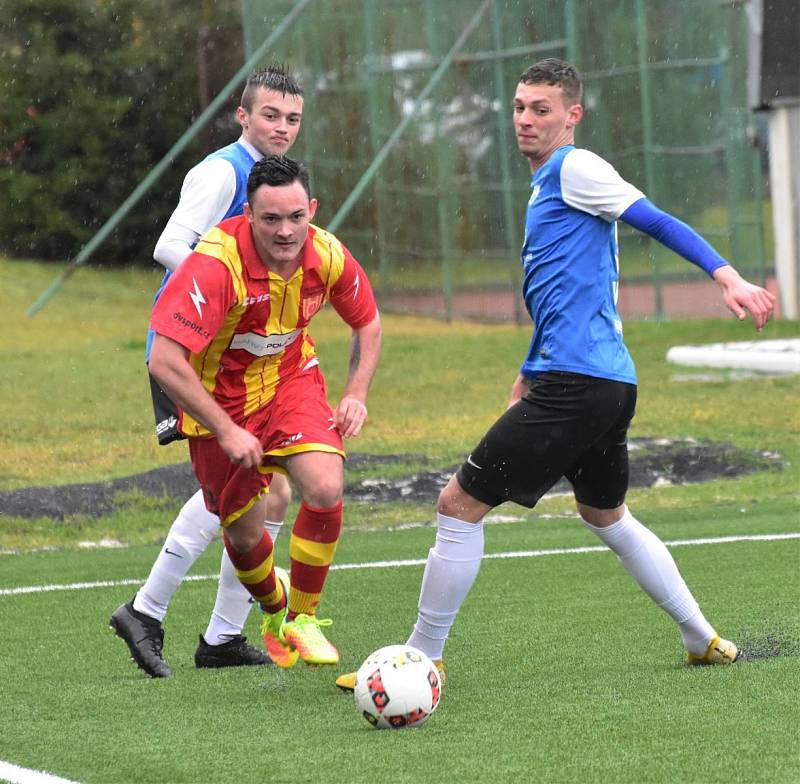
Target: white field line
[(25, 589), (16, 775)]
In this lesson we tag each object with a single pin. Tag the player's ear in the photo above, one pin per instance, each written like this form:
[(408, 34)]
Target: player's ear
[(248, 211), (312, 208), (574, 115), (241, 116)]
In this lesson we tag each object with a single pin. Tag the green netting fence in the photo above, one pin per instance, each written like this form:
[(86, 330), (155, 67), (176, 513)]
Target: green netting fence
[(438, 222)]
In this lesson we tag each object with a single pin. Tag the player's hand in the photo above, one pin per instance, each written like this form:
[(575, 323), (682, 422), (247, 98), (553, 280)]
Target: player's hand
[(742, 297), (241, 446), (349, 416)]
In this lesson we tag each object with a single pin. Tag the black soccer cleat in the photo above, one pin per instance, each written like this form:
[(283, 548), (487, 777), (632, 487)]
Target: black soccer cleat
[(144, 637), (234, 653)]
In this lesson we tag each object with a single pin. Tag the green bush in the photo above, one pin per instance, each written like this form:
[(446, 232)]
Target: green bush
[(95, 92)]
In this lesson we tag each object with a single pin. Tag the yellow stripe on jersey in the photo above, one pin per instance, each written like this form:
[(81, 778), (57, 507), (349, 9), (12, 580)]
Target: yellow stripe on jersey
[(311, 553), (223, 247), (284, 298), (331, 254), (262, 376), (307, 350), (260, 381)]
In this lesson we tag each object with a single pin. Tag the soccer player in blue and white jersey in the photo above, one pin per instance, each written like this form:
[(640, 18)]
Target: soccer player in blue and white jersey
[(573, 399), (270, 114)]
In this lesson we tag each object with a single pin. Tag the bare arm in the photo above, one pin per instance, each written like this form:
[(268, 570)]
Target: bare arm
[(351, 413), (169, 365), (518, 389), (742, 297)]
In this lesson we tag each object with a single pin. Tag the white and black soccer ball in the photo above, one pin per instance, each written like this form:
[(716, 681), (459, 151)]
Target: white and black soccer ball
[(397, 686)]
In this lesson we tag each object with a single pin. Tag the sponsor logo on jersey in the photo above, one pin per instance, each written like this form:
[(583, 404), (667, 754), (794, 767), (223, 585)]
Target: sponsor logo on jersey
[(189, 324), (197, 298), (255, 300), (264, 345)]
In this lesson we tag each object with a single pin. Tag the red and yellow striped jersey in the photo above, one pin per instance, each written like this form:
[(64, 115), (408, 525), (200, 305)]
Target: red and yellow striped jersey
[(246, 328)]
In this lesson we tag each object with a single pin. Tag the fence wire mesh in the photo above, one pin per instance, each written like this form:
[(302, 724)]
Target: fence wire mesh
[(439, 224)]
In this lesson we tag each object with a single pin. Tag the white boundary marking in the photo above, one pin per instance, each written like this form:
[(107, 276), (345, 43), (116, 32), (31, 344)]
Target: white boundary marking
[(16, 775), (27, 589)]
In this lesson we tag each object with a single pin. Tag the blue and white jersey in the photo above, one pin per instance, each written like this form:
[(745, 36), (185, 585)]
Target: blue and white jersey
[(242, 161), (571, 267), (202, 184)]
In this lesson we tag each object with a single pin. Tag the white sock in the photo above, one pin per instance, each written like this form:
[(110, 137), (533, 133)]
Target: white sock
[(647, 559), (194, 528), (452, 567), (233, 600), (273, 528)]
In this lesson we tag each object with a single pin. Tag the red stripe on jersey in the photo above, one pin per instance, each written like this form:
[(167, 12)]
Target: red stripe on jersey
[(246, 328)]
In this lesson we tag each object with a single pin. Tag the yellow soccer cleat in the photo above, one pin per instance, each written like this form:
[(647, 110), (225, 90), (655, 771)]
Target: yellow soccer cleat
[(347, 682), (272, 630), (719, 651), (303, 634)]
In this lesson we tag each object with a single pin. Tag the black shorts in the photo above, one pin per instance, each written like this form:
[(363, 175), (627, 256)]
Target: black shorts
[(166, 415), (566, 425)]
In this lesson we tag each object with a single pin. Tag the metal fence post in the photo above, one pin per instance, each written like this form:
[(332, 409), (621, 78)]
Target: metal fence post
[(646, 105)]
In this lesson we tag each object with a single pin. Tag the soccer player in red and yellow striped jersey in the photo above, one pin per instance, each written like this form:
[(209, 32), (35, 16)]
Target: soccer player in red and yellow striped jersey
[(233, 350)]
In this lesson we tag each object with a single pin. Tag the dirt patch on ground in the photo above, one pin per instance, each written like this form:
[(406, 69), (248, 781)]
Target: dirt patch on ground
[(779, 642), (653, 462)]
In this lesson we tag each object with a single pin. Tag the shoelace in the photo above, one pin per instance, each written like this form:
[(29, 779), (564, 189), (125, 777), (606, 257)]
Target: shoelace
[(310, 625), (156, 641)]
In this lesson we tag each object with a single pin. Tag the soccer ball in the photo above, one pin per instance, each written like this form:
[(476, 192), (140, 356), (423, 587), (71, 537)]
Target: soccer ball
[(397, 686)]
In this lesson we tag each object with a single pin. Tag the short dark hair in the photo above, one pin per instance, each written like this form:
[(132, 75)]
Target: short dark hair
[(277, 170), (556, 72), (274, 77)]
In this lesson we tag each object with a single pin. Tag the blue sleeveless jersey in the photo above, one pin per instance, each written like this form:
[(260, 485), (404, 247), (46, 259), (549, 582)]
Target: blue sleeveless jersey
[(242, 163), (571, 277)]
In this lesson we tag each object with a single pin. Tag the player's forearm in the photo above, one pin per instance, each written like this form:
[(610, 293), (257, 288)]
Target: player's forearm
[(674, 234), (174, 245), (170, 367), (171, 252), (365, 352)]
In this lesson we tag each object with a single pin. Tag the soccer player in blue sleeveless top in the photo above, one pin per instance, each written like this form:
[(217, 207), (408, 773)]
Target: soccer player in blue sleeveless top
[(574, 397), (216, 188)]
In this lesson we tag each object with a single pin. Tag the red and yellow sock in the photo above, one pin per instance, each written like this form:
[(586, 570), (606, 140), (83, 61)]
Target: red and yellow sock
[(312, 547), (256, 573)]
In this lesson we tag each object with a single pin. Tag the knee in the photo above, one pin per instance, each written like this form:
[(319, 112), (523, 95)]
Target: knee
[(324, 495), (195, 523), (243, 538), (600, 518), (455, 502)]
